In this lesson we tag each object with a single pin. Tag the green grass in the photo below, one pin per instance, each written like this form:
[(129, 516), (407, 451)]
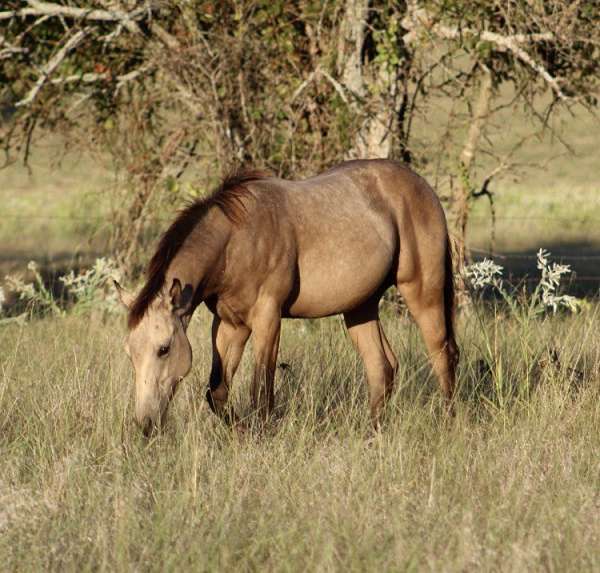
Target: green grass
[(511, 484), (54, 211)]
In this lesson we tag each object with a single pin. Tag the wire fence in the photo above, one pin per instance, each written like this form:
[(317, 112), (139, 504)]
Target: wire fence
[(532, 256), (472, 218), (546, 218), (587, 262)]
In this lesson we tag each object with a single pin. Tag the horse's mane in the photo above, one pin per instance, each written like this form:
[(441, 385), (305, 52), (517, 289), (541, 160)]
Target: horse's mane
[(227, 197)]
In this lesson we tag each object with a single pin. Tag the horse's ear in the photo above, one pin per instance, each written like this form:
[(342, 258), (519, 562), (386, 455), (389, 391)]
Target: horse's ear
[(125, 297), (181, 298)]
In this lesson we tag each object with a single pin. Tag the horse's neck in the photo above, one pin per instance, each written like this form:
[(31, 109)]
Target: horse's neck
[(200, 260)]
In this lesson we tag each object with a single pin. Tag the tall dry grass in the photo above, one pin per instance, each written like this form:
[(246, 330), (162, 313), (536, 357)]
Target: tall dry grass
[(510, 484)]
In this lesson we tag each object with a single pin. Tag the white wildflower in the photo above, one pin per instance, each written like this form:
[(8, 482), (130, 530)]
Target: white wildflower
[(542, 258), (550, 281), (88, 288), (484, 273), (26, 291)]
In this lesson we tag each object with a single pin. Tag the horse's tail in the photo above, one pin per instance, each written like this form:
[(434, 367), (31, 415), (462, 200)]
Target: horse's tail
[(449, 293)]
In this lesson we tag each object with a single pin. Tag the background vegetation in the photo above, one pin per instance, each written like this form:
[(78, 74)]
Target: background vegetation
[(113, 113), (160, 88)]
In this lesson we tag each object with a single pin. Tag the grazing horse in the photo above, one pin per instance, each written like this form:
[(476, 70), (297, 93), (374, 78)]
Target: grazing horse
[(260, 249)]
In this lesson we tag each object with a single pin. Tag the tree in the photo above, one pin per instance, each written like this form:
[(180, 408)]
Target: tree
[(289, 86), (545, 52)]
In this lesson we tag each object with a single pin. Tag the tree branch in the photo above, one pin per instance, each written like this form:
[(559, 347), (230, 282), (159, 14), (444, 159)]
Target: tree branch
[(89, 78), (419, 19), (52, 64), (478, 119), (38, 8), (167, 39), (8, 50)]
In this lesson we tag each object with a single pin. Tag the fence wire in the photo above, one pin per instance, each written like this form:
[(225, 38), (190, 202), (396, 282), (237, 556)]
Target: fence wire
[(477, 251)]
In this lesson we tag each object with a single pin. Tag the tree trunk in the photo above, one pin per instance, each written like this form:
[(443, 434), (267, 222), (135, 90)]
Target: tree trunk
[(375, 138), (350, 46), (372, 89), (462, 194)]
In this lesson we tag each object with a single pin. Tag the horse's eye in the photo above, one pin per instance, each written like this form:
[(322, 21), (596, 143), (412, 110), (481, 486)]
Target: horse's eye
[(163, 351)]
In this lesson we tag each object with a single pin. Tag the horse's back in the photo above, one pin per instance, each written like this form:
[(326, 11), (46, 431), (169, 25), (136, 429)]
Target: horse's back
[(345, 237), (345, 226)]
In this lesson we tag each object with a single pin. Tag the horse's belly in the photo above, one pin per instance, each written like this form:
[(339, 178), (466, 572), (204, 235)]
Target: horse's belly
[(338, 278)]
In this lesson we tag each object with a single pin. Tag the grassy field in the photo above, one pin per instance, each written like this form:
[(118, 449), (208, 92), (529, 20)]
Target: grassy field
[(511, 484)]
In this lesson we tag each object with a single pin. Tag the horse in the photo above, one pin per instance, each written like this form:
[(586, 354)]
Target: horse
[(260, 249)]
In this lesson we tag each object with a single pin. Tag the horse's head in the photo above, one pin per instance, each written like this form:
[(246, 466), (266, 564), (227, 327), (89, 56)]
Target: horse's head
[(160, 353)]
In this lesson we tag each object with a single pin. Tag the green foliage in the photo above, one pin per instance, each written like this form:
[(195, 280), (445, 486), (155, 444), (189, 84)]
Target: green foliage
[(386, 42), (289, 86)]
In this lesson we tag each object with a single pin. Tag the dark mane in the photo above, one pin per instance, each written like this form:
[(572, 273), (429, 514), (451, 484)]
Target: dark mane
[(227, 197)]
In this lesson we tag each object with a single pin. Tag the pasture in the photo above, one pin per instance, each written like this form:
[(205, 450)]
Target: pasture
[(510, 484)]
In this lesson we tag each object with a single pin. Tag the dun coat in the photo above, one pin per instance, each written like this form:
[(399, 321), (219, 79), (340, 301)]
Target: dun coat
[(260, 249)]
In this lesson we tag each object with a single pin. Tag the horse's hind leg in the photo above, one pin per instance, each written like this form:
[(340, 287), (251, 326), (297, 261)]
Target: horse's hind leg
[(228, 343), (425, 301), (379, 360), (389, 353)]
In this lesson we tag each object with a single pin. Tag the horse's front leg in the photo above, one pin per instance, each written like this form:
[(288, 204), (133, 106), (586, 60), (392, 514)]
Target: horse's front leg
[(228, 342), (266, 326)]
